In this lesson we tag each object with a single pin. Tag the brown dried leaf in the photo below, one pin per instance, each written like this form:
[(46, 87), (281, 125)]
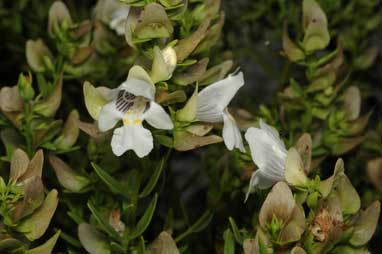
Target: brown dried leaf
[(187, 45), (279, 203), (164, 244), (191, 74), (10, 99), (184, 141), (19, 164)]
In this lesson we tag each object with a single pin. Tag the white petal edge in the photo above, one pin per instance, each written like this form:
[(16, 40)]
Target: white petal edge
[(132, 137), (139, 88), (258, 180), (272, 132), (157, 117), (109, 116), (215, 98), (231, 133), (118, 19), (266, 153)]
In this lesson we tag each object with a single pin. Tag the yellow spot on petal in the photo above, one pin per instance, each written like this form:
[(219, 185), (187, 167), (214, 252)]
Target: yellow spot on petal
[(137, 121), (126, 121)]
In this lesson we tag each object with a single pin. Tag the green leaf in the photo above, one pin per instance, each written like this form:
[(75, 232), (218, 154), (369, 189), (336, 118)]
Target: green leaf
[(154, 178), (35, 225), (36, 51), (104, 225), (117, 248), (315, 26), (164, 140), (229, 244), (70, 239), (235, 230), (133, 184), (187, 62), (67, 177), (141, 246), (153, 23), (92, 240), (69, 133), (112, 183), (47, 247), (198, 226), (9, 243), (262, 247), (50, 104), (145, 220), (349, 198), (366, 224)]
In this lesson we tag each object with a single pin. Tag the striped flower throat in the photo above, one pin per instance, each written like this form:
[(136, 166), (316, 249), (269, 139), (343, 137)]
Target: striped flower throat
[(133, 107)]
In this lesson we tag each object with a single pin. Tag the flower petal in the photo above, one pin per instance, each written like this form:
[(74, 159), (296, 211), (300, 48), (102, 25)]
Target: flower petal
[(157, 117), (119, 18), (294, 169), (231, 133), (139, 88), (272, 132), (138, 72), (109, 116), (267, 153), (132, 137), (216, 97), (258, 180), (107, 93)]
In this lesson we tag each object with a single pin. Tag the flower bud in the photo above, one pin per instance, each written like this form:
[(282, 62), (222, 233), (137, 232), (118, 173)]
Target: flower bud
[(164, 64), (24, 84), (188, 113)]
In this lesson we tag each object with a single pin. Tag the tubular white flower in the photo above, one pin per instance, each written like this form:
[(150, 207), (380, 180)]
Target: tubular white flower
[(212, 107), (269, 154), (118, 19), (133, 103)]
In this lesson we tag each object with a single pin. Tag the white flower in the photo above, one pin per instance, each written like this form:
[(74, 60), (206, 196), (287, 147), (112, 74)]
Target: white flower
[(118, 19), (269, 154), (133, 102), (212, 108)]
